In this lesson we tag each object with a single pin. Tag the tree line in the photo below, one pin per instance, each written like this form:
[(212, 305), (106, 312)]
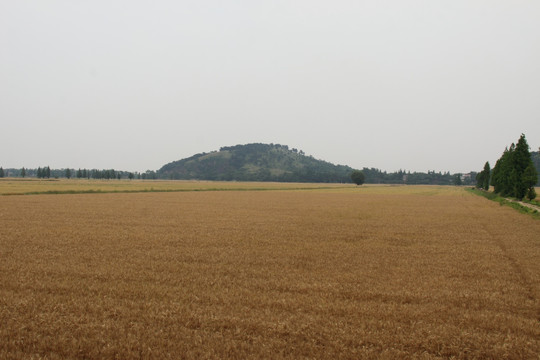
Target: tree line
[(514, 174), (319, 173), (376, 176), (105, 174)]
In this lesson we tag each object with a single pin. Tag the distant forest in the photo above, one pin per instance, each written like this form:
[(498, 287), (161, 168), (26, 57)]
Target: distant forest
[(48, 173), (257, 162), (373, 176)]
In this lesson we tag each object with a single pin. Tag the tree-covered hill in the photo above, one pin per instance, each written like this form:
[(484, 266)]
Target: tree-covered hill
[(256, 162)]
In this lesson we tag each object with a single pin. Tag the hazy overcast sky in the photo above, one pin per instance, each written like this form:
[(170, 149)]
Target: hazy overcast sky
[(132, 85)]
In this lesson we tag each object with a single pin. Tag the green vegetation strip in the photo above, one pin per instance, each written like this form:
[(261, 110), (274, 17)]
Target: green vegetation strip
[(100, 191), (504, 201)]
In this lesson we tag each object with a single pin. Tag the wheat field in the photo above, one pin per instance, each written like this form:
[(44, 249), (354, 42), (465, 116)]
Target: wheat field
[(18, 186), (350, 273)]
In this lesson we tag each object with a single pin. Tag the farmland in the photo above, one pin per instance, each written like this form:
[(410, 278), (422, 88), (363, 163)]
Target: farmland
[(14, 186), (297, 271)]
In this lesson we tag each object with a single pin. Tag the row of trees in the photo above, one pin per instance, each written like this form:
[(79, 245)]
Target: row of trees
[(514, 174), (47, 172), (41, 173), (483, 177), (376, 176)]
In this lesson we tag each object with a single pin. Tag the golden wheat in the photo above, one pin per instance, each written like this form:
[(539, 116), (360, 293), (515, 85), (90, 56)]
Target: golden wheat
[(372, 272), (17, 186)]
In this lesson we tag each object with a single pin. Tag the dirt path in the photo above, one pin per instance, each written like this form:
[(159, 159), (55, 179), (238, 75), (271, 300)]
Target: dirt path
[(530, 206)]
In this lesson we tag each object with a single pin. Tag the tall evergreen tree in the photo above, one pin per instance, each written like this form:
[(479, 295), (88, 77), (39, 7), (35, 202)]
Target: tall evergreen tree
[(1, 172), (503, 175), (480, 180), (23, 172), (510, 175), (47, 172), (514, 171), (39, 173), (79, 174), (68, 173), (487, 176), (483, 177), (521, 160)]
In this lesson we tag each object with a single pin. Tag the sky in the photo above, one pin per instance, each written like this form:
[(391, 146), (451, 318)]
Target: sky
[(133, 85)]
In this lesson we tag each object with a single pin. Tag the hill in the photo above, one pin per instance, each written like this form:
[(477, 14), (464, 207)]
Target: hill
[(256, 162)]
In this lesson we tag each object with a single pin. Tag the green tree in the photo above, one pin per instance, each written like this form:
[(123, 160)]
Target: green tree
[(479, 180), (47, 172), (521, 160), (457, 180), (130, 176), (358, 177), (531, 194), (503, 177), (530, 178), (68, 173), (487, 176), (514, 171), (1, 173), (79, 174), (23, 172)]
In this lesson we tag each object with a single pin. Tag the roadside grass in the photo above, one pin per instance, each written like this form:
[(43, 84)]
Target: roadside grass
[(537, 200), (513, 203)]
